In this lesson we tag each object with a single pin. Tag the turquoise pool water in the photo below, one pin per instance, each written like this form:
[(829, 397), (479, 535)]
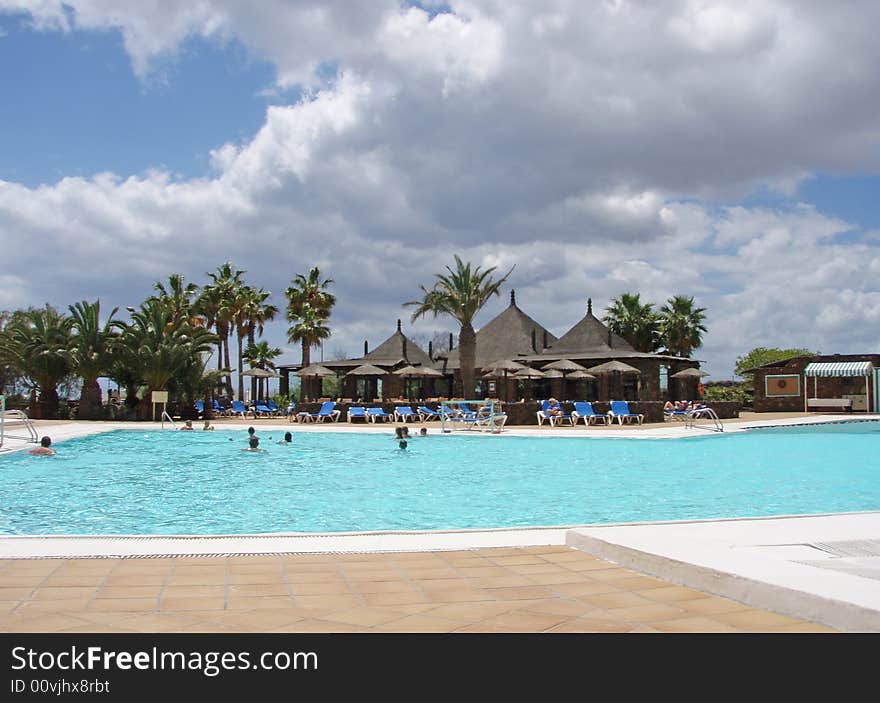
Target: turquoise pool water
[(137, 482)]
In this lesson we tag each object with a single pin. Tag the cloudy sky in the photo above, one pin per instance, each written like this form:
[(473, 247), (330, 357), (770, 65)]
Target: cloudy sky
[(724, 150)]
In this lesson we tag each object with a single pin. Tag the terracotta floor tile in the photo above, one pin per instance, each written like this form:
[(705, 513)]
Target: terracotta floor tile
[(161, 622), (337, 602), (240, 577), (295, 567), (712, 605), (29, 581), (363, 617), (466, 612), (588, 625), (257, 620), (431, 574), (382, 587), (378, 575), (7, 606), (440, 584), (46, 622), (205, 579), (191, 604), (651, 613), (525, 621), (569, 556), (612, 574), (130, 591), (127, 604), (519, 560), (502, 581), (318, 589), (391, 599), (53, 606), (65, 593), (296, 559), (587, 565), (557, 606), (458, 595), (520, 592), (86, 581), (544, 567), (555, 578), (146, 579), (95, 629), (15, 592), (314, 576), (619, 599), (483, 571), (423, 563), (245, 590), (318, 626), (694, 624), (258, 602)]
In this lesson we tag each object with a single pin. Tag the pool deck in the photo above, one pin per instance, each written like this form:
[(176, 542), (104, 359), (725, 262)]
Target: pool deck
[(787, 573)]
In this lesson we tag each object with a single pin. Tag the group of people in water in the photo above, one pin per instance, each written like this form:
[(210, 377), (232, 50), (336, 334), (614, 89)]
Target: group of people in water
[(402, 435)]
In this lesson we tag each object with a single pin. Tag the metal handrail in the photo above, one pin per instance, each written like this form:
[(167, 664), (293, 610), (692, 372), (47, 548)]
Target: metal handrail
[(27, 423), (693, 415), (170, 419)]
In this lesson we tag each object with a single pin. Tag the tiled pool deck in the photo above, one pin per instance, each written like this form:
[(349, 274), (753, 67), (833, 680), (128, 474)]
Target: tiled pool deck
[(702, 576)]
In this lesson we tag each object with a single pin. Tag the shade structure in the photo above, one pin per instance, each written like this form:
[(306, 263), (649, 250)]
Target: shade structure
[(565, 365), (503, 367), (839, 368), (689, 373), (613, 367), (529, 373), (260, 373), (418, 372), (580, 375), (553, 373), (315, 370), (367, 370)]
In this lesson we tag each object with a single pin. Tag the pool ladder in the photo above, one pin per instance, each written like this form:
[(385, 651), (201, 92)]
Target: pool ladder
[(716, 425), (18, 416), (166, 416)]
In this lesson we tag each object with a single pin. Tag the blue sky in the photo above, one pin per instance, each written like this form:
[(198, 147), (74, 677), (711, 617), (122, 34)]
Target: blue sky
[(673, 148)]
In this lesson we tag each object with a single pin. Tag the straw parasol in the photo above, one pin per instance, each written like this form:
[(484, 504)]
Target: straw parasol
[(690, 373), (411, 371), (367, 370), (314, 371), (581, 375), (501, 369), (565, 365), (617, 368), (261, 373), (529, 373)]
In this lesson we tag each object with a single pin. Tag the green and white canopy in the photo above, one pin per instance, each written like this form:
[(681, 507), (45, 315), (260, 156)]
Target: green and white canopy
[(839, 368)]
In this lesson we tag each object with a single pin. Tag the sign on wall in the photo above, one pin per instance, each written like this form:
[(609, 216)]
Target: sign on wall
[(782, 385)]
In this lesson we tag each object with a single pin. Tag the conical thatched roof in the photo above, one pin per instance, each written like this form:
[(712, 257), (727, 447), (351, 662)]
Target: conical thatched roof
[(590, 335), (507, 336), (396, 348)]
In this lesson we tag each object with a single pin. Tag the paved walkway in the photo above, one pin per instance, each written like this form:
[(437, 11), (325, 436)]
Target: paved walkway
[(531, 589)]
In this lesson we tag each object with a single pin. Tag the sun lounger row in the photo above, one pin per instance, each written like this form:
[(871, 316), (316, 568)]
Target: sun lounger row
[(583, 410)]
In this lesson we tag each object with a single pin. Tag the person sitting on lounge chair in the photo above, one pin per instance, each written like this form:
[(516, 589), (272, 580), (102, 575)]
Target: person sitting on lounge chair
[(553, 407)]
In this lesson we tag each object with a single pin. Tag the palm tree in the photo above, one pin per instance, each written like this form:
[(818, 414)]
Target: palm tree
[(461, 294), (254, 312), (308, 306), (224, 292), (638, 324), (310, 330), (158, 347), (179, 296), (91, 353), (37, 342), (681, 325), (259, 355)]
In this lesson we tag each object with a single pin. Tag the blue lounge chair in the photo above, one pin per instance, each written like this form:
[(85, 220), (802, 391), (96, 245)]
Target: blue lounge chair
[(260, 409), (584, 410), (402, 412), (273, 407), (357, 412), (219, 409), (675, 414), (553, 419), (425, 413), (379, 414), (200, 407), (620, 410), (239, 408), (328, 411)]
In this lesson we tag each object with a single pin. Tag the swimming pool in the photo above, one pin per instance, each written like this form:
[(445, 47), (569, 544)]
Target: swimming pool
[(153, 482)]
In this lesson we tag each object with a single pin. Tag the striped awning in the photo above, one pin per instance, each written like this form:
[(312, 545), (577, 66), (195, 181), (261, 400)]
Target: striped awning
[(839, 368)]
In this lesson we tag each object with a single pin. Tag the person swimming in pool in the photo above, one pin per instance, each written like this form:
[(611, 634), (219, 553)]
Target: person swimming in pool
[(44, 448), (288, 439), (253, 445), (402, 444), (423, 432), (207, 427), (188, 426)]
